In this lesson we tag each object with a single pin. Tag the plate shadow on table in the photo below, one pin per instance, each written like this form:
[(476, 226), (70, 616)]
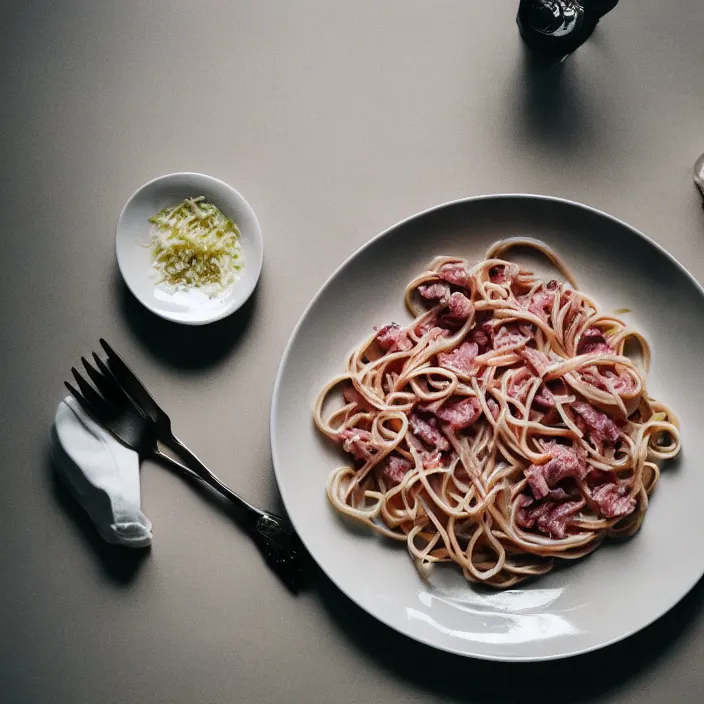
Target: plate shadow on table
[(466, 679), (184, 346), (119, 565)]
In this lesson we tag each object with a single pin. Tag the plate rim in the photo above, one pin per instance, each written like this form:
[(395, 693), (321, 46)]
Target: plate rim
[(277, 388)]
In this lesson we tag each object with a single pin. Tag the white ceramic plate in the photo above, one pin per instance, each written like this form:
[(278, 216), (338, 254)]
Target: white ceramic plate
[(192, 307), (613, 593)]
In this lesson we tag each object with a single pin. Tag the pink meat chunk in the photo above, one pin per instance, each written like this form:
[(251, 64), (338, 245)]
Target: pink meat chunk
[(460, 306), (613, 500), (460, 414), (548, 517), (425, 326), (357, 442), (502, 273), (541, 304), (539, 361), (396, 468), (594, 342), (596, 423), (592, 376), (435, 292), (621, 383), (518, 386), (351, 395), (393, 338), (544, 397), (482, 338), (455, 273), (564, 462), (508, 336), (429, 458), (427, 430), (461, 359)]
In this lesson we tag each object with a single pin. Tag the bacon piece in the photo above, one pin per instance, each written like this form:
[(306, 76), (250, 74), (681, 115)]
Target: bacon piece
[(518, 386), (599, 476), (493, 408), (356, 442), (508, 336), (460, 307), (426, 326), (548, 517), (460, 414), (594, 342), (396, 468), (497, 274), (564, 462), (597, 348), (427, 430), (592, 376), (504, 273), (461, 359), (482, 338), (455, 273), (435, 292), (560, 494), (430, 326), (351, 395), (596, 423), (544, 397), (540, 304), (429, 458), (613, 500), (621, 383), (539, 361), (393, 338)]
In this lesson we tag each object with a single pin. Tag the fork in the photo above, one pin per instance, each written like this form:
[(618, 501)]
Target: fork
[(123, 406)]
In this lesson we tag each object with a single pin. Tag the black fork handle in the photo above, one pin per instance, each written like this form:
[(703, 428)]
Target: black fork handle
[(197, 467)]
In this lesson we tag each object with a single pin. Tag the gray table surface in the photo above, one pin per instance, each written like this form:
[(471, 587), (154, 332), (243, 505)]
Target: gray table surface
[(335, 119)]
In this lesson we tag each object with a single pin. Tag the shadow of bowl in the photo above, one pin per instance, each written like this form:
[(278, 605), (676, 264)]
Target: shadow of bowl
[(184, 346)]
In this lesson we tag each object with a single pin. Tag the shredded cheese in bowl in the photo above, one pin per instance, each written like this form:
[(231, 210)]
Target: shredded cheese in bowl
[(195, 246)]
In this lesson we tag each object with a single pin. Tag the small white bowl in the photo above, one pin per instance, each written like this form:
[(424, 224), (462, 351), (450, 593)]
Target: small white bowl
[(192, 307)]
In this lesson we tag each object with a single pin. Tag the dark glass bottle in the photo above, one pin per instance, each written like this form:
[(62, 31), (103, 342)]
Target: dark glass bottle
[(557, 27)]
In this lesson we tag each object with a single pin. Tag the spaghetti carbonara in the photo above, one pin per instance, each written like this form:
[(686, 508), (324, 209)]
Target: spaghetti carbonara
[(503, 428)]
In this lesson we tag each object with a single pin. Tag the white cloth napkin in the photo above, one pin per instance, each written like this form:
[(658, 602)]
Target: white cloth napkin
[(102, 474)]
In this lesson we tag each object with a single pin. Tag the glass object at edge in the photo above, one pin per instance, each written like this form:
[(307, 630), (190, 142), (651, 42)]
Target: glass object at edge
[(699, 175)]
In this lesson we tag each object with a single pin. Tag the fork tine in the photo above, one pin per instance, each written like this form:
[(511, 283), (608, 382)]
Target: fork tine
[(116, 387), (104, 370), (104, 380), (100, 412), (97, 378), (132, 386), (93, 412), (89, 393)]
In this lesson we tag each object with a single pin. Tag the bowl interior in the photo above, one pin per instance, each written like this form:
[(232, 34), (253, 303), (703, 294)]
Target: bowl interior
[(134, 256)]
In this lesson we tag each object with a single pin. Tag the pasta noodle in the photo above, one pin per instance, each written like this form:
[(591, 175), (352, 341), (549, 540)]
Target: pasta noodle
[(508, 425)]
